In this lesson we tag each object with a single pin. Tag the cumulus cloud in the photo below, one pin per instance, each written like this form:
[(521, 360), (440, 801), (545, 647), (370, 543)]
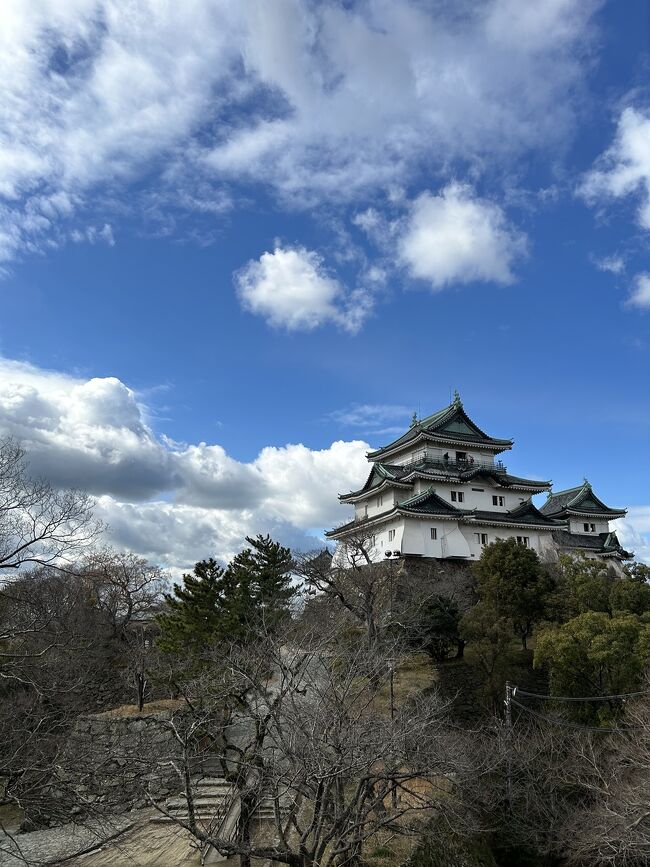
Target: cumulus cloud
[(174, 502), (291, 288), (456, 237), (314, 100), (624, 169), (640, 294), (634, 532)]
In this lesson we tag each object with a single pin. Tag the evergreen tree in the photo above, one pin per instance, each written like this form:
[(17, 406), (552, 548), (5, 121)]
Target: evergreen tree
[(511, 579), (262, 577), (216, 604), (201, 611)]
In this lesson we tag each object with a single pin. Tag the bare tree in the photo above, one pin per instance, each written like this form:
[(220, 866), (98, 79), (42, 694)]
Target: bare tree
[(309, 733), (39, 525), (354, 581)]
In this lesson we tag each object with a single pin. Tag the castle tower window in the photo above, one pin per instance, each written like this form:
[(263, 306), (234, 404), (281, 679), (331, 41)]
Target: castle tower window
[(434, 532), (457, 496), (498, 501), (523, 540), (391, 535)]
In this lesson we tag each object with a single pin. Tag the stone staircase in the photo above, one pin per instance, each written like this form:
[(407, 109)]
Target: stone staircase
[(212, 799)]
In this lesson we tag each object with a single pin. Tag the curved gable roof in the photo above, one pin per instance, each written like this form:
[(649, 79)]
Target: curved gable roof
[(450, 424), (581, 500)]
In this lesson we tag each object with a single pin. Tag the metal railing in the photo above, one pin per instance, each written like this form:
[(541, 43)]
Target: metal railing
[(462, 465)]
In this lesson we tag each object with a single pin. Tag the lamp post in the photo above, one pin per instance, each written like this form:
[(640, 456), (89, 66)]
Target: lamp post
[(391, 556)]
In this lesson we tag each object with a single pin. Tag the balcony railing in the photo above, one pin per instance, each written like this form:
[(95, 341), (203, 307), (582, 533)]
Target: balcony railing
[(461, 465)]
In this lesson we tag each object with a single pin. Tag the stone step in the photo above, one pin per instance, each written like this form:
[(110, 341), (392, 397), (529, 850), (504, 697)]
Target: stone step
[(204, 819), (181, 803)]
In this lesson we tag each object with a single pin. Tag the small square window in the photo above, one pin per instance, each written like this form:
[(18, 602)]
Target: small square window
[(523, 540), (481, 538), (434, 532), (498, 501)]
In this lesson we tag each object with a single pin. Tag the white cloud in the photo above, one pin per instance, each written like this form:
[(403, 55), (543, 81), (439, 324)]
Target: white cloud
[(633, 532), (370, 416), (455, 237), (612, 264), (316, 100), (624, 169), (170, 501), (640, 294), (290, 288)]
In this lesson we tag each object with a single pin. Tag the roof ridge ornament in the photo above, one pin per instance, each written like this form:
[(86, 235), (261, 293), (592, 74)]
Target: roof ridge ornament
[(457, 401), (414, 420)]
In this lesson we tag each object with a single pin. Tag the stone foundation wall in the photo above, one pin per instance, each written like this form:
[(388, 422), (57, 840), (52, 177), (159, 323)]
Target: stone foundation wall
[(452, 578), (112, 762)]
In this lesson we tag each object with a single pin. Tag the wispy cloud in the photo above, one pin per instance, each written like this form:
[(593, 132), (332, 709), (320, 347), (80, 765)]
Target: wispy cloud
[(373, 417), (185, 99), (624, 169)]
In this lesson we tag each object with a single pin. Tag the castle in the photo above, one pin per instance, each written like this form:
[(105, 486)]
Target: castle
[(440, 492)]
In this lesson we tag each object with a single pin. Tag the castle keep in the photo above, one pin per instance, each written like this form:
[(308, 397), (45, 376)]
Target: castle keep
[(441, 491)]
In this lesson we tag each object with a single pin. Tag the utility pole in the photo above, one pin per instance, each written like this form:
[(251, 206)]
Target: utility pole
[(508, 703)]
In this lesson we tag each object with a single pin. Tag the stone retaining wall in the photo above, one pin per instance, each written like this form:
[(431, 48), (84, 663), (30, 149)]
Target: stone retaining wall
[(112, 762)]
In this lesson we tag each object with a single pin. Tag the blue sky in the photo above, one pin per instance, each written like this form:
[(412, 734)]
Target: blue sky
[(242, 242)]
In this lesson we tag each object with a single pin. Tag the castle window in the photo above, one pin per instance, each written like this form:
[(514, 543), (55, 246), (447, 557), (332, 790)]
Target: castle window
[(391, 535), (434, 532), (589, 528), (498, 501), (481, 538), (523, 540), (457, 496), (380, 501)]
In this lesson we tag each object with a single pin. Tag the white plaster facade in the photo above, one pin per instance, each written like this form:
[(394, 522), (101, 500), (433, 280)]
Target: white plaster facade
[(440, 491)]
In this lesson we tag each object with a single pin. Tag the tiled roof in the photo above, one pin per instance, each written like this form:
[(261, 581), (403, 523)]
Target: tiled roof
[(429, 503), (601, 543), (505, 479), (527, 514), (579, 499), (450, 423)]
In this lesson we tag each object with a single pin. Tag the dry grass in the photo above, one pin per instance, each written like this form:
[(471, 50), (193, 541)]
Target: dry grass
[(411, 677), (10, 817), (151, 707)]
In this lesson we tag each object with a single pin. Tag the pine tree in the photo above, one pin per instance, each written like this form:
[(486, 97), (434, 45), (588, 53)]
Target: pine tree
[(262, 575), (200, 611), (232, 604)]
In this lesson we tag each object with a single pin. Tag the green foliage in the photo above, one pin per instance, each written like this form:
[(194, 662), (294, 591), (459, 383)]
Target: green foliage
[(215, 604), (436, 628), (638, 572), (490, 637), (584, 585), (199, 611), (512, 582), (262, 574), (594, 654)]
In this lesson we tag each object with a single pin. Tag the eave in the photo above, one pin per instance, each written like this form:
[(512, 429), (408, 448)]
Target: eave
[(356, 496), (610, 514), (495, 447)]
